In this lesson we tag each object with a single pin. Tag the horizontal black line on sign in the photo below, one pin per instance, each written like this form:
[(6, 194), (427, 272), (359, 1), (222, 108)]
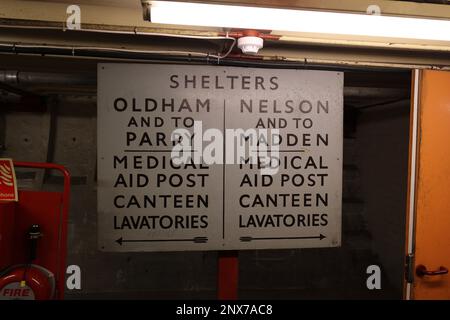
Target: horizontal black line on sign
[(270, 150), (128, 150), (259, 151)]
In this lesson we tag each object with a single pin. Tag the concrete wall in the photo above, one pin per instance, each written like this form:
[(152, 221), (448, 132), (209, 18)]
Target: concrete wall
[(383, 133)]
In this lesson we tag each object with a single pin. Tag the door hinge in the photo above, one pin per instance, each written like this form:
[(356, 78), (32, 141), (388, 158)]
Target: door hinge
[(409, 268)]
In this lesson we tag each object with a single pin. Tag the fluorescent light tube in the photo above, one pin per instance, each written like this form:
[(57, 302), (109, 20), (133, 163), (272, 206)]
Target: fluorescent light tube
[(332, 23)]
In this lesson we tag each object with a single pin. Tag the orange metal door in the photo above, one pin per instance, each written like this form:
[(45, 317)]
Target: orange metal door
[(432, 194)]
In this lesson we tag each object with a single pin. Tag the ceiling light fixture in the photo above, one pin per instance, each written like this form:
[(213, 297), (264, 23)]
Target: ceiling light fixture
[(303, 21)]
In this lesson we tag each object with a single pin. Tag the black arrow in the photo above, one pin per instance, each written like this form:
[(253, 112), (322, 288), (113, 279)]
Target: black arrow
[(195, 240), (248, 239)]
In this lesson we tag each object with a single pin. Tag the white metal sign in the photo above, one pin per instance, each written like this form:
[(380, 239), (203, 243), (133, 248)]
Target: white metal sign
[(218, 158)]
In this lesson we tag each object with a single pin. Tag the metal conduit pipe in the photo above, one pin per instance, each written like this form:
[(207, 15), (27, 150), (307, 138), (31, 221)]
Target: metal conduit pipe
[(11, 77), (369, 92)]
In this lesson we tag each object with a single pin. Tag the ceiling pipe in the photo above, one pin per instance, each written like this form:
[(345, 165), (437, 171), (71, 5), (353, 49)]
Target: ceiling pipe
[(11, 77), (370, 92)]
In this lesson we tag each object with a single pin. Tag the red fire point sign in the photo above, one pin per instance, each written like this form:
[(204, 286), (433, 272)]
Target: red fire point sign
[(8, 184)]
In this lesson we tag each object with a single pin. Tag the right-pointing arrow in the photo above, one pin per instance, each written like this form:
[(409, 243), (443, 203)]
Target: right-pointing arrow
[(249, 239)]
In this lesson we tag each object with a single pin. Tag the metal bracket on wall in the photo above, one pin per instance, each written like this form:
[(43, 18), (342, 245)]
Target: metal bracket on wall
[(409, 268)]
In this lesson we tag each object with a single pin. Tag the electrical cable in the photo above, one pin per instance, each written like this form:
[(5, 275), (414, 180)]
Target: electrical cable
[(135, 32)]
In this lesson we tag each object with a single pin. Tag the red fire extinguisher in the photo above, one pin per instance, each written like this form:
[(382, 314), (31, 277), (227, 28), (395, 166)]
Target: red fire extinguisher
[(28, 281)]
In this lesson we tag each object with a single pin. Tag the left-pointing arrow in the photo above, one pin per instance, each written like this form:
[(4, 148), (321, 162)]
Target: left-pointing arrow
[(120, 241)]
